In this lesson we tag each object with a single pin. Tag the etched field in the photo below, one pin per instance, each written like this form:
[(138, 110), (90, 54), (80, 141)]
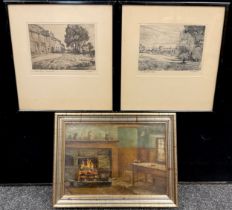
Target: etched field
[(165, 62), (65, 61)]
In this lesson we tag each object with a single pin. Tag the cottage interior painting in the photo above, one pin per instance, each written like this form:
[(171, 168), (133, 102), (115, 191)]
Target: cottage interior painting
[(116, 159)]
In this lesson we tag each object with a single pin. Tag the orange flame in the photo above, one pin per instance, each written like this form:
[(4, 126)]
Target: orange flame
[(89, 164)]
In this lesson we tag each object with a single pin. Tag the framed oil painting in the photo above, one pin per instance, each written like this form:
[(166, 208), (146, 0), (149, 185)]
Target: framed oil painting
[(115, 160), (62, 55), (174, 54)]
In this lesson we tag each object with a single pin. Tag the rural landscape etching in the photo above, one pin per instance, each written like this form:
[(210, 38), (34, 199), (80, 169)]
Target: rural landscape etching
[(115, 159), (62, 46), (171, 47)]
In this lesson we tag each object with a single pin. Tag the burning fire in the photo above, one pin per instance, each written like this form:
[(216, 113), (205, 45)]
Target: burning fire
[(87, 171), (87, 165)]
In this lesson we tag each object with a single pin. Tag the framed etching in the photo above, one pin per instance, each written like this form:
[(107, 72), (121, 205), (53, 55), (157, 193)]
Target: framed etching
[(62, 55), (171, 61), (115, 160)]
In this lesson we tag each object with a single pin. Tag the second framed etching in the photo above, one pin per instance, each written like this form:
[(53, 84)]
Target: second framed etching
[(171, 61), (62, 56)]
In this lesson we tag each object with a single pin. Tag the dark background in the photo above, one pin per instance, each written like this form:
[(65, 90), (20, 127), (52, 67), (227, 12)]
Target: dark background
[(26, 138)]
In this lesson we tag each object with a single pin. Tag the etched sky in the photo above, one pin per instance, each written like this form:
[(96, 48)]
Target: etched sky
[(155, 35), (59, 31)]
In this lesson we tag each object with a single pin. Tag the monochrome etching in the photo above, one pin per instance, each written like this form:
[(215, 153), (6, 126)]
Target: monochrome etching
[(62, 46), (171, 47)]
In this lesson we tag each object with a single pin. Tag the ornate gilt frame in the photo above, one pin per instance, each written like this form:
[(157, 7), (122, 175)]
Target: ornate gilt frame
[(60, 199)]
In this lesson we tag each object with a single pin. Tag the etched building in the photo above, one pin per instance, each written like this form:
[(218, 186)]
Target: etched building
[(42, 41)]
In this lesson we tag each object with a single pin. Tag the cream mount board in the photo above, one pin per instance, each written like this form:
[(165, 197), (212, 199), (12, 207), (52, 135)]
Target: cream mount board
[(171, 61)]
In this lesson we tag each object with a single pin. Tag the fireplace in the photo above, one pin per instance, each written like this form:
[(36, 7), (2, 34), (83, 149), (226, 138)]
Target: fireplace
[(88, 170), (107, 167), (91, 166)]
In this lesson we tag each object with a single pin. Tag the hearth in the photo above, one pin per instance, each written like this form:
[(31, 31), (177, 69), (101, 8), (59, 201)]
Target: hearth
[(105, 151), (91, 167), (90, 174), (88, 170)]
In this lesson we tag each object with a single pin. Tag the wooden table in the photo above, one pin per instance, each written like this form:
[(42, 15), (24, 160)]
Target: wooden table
[(156, 170)]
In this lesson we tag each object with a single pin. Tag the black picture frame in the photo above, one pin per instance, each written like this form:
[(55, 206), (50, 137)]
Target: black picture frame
[(224, 4), (115, 27)]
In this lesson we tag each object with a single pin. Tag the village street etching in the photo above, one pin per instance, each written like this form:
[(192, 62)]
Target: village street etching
[(62, 46), (170, 47)]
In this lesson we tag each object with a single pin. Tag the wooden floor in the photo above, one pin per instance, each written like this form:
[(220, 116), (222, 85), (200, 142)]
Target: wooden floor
[(121, 186)]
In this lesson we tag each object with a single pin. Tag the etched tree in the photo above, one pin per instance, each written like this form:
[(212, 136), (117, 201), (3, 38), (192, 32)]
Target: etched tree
[(191, 43), (90, 46), (91, 50), (76, 37), (142, 48), (197, 32)]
